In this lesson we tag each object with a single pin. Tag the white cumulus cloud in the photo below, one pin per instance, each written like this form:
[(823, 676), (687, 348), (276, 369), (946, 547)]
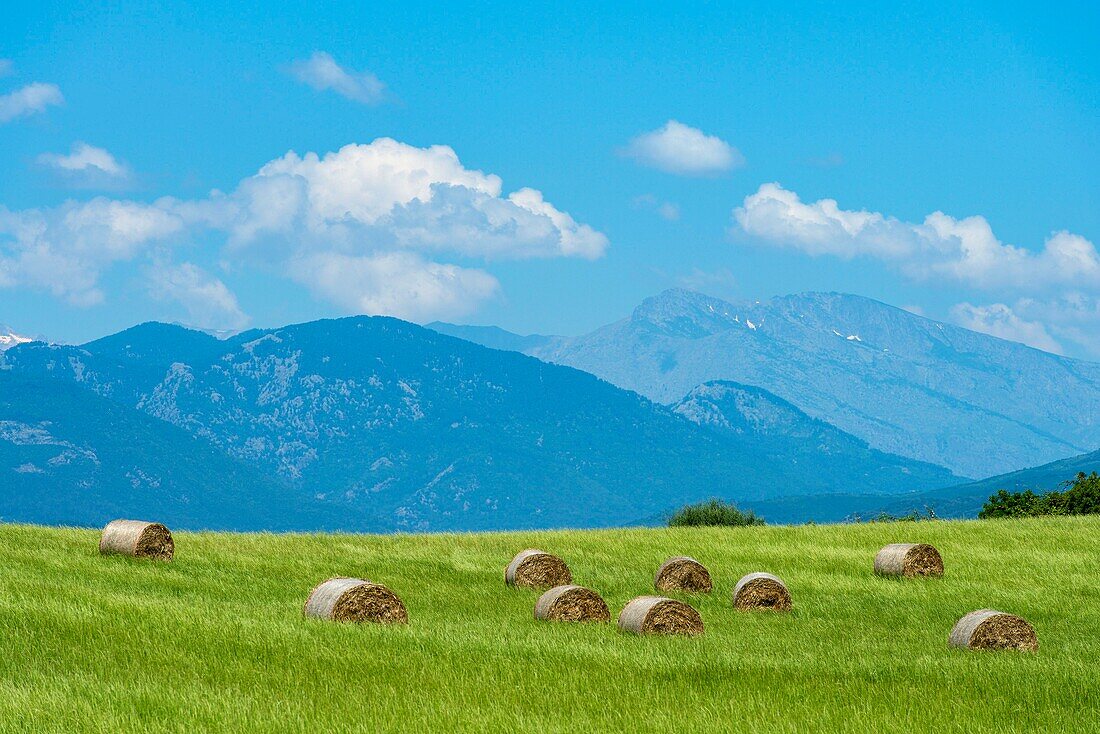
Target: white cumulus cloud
[(962, 250), (401, 284), (29, 100), (321, 72), (998, 319), (206, 300), (683, 150), (366, 227)]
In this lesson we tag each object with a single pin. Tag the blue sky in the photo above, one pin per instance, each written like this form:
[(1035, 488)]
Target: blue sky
[(591, 158)]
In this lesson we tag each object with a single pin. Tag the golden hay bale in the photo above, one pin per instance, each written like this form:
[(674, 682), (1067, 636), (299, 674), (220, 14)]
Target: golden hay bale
[(535, 569), (138, 539), (355, 600), (987, 629), (658, 615), (682, 573), (570, 603), (761, 591), (908, 560)]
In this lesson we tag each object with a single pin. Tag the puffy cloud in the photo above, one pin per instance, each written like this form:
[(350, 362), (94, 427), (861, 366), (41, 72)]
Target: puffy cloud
[(321, 72), (1068, 322), (389, 194), (398, 284), (29, 100), (963, 250), (683, 150), (87, 165), (206, 300), (65, 249), (361, 227), (999, 320)]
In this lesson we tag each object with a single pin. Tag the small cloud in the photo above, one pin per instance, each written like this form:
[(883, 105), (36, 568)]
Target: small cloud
[(665, 209), (6, 67), (87, 165), (683, 150), (29, 100), (321, 72)]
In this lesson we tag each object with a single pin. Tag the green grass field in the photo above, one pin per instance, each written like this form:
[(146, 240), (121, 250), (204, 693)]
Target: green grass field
[(215, 640)]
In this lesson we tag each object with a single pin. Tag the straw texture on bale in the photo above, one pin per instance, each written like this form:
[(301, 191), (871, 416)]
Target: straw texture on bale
[(683, 573), (908, 560), (761, 591), (988, 629), (138, 539), (570, 603), (658, 615), (355, 600), (535, 569)]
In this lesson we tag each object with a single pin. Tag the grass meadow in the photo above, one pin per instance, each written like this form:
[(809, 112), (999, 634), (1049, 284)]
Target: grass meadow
[(215, 640)]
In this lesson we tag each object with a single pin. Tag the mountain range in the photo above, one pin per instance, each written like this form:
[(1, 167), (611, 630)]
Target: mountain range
[(371, 423), (905, 384)]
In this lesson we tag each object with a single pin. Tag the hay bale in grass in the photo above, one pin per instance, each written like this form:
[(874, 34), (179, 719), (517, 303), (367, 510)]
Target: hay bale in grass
[(761, 591), (988, 629), (138, 539), (658, 615), (908, 560), (355, 600), (571, 603), (683, 573), (535, 569)]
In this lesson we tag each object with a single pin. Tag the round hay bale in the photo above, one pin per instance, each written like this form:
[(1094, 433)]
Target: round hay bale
[(355, 600), (683, 573), (659, 615), (908, 560), (761, 591), (535, 569), (571, 603), (138, 539), (988, 629)]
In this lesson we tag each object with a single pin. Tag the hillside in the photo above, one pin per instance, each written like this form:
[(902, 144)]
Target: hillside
[(778, 431), (905, 384), (111, 644), (391, 426), (71, 457)]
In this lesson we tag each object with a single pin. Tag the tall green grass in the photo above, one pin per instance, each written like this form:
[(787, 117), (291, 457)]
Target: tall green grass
[(215, 640)]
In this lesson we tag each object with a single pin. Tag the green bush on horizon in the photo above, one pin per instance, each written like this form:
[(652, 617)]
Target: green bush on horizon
[(714, 513), (1081, 498)]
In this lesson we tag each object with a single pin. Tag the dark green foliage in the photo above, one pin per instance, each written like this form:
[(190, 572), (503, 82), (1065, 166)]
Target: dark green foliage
[(713, 512), (1082, 498)]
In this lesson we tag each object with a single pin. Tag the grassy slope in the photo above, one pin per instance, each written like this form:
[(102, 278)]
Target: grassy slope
[(215, 640)]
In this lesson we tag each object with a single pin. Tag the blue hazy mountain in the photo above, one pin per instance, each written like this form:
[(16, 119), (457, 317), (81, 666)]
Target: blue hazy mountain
[(781, 432), (71, 457), (393, 426), (905, 384)]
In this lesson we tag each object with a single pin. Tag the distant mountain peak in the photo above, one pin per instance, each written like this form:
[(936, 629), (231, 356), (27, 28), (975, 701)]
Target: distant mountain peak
[(9, 338), (686, 313)]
